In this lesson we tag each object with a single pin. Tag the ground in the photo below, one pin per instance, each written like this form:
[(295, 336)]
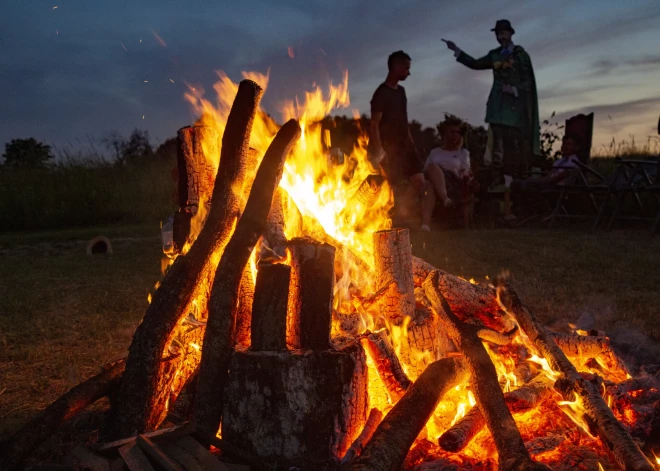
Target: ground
[(63, 313)]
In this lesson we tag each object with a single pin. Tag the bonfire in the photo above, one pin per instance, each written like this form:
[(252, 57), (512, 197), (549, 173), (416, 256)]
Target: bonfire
[(294, 329)]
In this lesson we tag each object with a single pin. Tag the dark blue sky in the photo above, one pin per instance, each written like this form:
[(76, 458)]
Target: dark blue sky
[(89, 67)]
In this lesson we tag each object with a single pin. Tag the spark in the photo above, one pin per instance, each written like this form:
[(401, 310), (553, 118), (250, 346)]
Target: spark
[(323, 51), (140, 41), (146, 81), (290, 51), (171, 80), (142, 116), (55, 7), (158, 38), (122, 45)]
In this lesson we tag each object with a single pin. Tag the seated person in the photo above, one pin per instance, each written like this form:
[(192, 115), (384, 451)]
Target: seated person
[(448, 169), (527, 194)]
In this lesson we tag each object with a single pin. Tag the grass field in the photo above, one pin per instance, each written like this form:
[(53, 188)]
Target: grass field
[(64, 313)]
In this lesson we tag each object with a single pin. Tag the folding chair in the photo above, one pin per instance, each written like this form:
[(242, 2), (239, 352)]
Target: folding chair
[(583, 181), (641, 176)]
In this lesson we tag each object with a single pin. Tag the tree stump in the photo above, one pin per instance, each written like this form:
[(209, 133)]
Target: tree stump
[(301, 408), (393, 262)]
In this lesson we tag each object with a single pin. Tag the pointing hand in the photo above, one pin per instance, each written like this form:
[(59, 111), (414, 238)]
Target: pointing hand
[(450, 45)]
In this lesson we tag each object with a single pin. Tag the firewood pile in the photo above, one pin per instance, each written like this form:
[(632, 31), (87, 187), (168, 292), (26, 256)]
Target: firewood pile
[(272, 343)]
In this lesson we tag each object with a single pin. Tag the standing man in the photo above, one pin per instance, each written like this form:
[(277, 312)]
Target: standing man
[(390, 143), (512, 110)]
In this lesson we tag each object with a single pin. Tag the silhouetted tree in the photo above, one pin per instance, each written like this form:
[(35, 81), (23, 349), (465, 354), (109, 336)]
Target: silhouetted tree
[(26, 153), (166, 151), (136, 149)]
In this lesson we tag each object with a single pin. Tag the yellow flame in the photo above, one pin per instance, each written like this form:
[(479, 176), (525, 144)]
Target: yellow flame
[(575, 410), (195, 346)]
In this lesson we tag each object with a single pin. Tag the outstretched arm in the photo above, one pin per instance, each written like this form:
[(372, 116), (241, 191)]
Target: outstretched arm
[(482, 63)]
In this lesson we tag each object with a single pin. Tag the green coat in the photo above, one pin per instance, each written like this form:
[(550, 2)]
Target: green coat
[(503, 108)]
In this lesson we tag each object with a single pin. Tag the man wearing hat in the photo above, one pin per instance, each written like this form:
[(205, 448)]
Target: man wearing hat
[(512, 110)]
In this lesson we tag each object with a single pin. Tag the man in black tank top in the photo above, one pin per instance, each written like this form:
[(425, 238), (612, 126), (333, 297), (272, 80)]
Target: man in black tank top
[(390, 142)]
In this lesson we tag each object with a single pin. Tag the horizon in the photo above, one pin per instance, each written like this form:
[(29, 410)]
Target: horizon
[(75, 70)]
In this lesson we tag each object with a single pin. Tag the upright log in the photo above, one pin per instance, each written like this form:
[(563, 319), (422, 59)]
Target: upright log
[(269, 308), (393, 262), (626, 452), (144, 391), (485, 385), (244, 308), (17, 447), (387, 363), (218, 338), (522, 399), (197, 167), (394, 436), (311, 294)]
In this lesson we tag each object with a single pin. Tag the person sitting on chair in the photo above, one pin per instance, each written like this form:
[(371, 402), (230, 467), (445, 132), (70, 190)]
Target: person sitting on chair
[(527, 194), (448, 169)]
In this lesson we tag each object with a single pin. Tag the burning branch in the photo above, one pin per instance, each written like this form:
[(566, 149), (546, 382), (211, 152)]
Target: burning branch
[(626, 452), (387, 363), (512, 452), (218, 338)]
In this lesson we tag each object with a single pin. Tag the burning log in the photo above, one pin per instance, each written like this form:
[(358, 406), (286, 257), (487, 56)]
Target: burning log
[(270, 308), (393, 262), (626, 452), (219, 335), (387, 363), (472, 303), (144, 390), (522, 399), (274, 239), (485, 385), (375, 416), (301, 408), (593, 346), (244, 308), (310, 294), (197, 172), (16, 448), (390, 443)]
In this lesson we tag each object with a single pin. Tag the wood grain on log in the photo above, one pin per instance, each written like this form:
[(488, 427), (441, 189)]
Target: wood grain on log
[(302, 408), (626, 452), (18, 446), (394, 436), (522, 399), (485, 385), (144, 391), (389, 368), (393, 263), (219, 335), (311, 293), (269, 309)]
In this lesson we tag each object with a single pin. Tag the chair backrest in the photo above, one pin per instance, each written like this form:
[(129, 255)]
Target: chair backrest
[(582, 127)]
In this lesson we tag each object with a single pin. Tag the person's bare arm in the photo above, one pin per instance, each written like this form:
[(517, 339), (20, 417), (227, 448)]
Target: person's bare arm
[(374, 135)]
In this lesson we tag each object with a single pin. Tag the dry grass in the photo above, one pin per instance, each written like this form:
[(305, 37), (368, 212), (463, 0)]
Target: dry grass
[(63, 314)]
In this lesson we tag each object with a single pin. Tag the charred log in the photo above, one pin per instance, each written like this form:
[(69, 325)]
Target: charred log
[(219, 338), (144, 392), (17, 447), (375, 416), (387, 364), (522, 399), (626, 452), (390, 443), (310, 294), (393, 262), (486, 388), (244, 308), (269, 308)]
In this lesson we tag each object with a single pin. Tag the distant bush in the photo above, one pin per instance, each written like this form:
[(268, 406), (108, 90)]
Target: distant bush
[(26, 153)]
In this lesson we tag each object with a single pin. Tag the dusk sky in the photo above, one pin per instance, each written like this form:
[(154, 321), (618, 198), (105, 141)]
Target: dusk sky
[(77, 69)]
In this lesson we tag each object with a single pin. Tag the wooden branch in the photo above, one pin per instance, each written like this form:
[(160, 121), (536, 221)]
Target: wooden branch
[(388, 447), (497, 338), (522, 399), (227, 448), (269, 310), (393, 262), (144, 391), (472, 303), (310, 294), (485, 384), (244, 308), (17, 447), (218, 338), (593, 346), (387, 363), (626, 452), (375, 416)]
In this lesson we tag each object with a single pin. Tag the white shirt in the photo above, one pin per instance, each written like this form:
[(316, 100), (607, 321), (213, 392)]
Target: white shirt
[(566, 161), (456, 161)]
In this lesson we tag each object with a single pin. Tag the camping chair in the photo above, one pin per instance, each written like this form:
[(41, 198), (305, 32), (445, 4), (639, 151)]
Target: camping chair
[(583, 184), (640, 178), (582, 127)]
